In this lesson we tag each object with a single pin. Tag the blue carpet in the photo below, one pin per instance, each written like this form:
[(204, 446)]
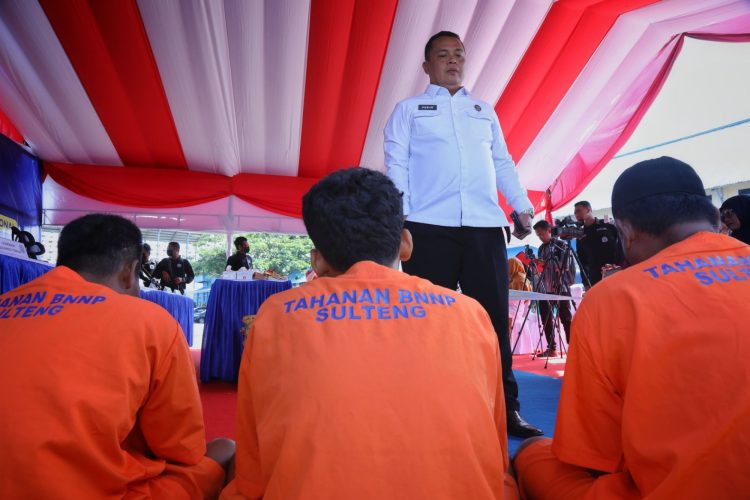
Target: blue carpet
[(539, 396)]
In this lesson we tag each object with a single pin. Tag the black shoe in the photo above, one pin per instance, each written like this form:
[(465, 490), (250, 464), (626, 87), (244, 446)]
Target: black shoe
[(519, 427)]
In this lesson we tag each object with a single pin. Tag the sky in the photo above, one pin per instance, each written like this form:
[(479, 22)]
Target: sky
[(708, 87)]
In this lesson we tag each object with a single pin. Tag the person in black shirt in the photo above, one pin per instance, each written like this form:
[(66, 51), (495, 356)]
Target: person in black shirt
[(241, 258), (147, 266), (599, 246), (174, 271), (558, 274)]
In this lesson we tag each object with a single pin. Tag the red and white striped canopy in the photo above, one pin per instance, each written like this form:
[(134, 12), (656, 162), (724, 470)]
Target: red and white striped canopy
[(219, 115)]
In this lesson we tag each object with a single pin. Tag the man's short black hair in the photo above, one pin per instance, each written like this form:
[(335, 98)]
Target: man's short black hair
[(655, 214), (428, 46), (174, 244), (146, 247), (239, 241), (353, 215), (542, 224), (99, 244), (584, 204)]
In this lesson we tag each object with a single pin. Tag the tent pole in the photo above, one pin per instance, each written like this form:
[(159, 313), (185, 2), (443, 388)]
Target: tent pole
[(230, 224)]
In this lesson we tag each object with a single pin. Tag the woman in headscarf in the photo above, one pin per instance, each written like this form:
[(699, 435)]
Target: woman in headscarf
[(735, 213), (517, 275), (517, 281)]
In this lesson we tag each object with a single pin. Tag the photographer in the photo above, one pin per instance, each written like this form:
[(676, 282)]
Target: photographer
[(600, 244), (559, 273)]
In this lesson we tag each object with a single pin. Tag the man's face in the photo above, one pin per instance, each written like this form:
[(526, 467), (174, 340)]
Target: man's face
[(581, 213), (173, 251), (146, 255), (543, 234), (445, 65)]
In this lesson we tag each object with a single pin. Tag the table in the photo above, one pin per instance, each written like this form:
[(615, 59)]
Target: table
[(15, 271), (228, 302), (529, 334), (180, 307)]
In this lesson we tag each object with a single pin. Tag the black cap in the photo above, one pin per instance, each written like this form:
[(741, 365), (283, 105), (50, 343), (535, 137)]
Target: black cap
[(663, 175)]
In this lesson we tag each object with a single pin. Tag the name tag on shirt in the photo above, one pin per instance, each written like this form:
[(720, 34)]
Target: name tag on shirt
[(427, 107)]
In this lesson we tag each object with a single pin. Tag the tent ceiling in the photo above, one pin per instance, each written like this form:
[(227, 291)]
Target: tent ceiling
[(299, 88)]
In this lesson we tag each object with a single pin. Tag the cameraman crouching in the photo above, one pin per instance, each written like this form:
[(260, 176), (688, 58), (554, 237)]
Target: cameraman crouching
[(599, 246), (559, 273)]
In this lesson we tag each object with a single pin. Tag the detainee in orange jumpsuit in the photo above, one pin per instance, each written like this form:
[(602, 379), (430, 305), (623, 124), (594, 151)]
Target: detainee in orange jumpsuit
[(368, 383), (655, 401), (517, 280), (99, 396)]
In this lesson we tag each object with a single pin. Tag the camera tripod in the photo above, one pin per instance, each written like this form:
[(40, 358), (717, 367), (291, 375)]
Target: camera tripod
[(555, 271)]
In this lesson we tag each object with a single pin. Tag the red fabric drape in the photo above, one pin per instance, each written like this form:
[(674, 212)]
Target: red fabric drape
[(8, 129), (577, 175), (109, 49), (346, 48), (569, 35), (125, 186)]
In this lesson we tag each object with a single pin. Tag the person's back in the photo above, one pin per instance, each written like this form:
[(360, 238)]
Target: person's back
[(100, 398), (672, 342), (369, 383), (655, 396)]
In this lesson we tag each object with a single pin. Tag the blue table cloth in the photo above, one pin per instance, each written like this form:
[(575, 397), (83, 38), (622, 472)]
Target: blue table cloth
[(180, 307), (228, 303), (14, 272)]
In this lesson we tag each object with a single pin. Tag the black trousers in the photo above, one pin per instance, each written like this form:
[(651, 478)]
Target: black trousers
[(548, 319), (475, 258)]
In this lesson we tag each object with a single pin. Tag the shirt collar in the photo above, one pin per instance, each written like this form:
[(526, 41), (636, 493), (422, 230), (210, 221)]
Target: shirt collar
[(432, 90), (367, 269)]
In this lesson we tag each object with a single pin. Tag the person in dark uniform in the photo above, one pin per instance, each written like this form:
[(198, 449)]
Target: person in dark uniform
[(147, 266), (241, 258), (599, 246), (559, 273), (174, 271)]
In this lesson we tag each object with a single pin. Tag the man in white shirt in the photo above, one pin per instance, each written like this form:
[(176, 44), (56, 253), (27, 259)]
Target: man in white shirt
[(445, 151)]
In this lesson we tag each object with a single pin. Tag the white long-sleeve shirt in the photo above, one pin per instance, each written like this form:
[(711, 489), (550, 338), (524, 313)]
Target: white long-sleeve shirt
[(448, 156)]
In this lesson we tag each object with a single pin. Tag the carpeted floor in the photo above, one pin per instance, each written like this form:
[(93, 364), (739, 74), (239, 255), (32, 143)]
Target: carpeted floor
[(219, 409), (539, 395), (554, 368)]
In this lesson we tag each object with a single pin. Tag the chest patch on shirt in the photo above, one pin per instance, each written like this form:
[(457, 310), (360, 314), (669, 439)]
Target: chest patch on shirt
[(427, 107)]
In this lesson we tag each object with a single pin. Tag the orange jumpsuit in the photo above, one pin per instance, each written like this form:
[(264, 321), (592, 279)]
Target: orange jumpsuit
[(657, 385), (98, 397), (374, 384)]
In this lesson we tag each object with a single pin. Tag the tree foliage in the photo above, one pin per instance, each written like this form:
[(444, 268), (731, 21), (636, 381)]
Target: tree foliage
[(281, 253)]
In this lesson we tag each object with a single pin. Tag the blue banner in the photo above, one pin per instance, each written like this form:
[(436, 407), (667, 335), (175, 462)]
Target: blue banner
[(20, 185)]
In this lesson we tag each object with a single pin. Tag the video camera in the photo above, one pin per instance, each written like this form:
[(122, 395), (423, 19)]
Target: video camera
[(528, 252), (567, 228)]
